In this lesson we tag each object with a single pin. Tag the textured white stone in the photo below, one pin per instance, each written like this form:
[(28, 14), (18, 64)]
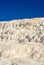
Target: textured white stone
[(22, 42)]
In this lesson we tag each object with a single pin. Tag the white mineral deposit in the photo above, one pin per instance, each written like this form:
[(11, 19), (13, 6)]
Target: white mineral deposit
[(22, 42)]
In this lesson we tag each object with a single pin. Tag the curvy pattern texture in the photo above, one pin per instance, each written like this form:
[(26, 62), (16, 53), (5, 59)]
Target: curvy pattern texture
[(22, 42)]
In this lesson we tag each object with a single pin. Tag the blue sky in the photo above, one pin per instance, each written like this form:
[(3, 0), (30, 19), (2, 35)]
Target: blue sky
[(18, 9)]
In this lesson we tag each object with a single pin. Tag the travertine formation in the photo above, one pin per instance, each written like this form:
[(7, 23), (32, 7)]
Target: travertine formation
[(22, 42)]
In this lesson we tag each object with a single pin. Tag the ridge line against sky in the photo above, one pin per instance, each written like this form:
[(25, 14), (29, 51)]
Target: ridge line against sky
[(20, 9), (23, 19)]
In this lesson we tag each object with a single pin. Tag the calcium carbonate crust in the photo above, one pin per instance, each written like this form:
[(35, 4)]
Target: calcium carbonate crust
[(22, 42)]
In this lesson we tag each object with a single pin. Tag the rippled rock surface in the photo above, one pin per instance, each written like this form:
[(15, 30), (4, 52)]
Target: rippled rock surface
[(22, 42)]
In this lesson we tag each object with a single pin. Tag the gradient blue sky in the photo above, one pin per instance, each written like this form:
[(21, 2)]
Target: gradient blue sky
[(18, 9)]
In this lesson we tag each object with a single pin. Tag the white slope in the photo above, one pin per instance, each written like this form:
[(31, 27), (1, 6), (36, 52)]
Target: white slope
[(22, 42)]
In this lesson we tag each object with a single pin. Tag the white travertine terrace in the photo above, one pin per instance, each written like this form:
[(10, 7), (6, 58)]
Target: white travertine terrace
[(22, 42)]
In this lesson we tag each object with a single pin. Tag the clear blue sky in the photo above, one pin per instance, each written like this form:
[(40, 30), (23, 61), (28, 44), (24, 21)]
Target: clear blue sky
[(18, 9)]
